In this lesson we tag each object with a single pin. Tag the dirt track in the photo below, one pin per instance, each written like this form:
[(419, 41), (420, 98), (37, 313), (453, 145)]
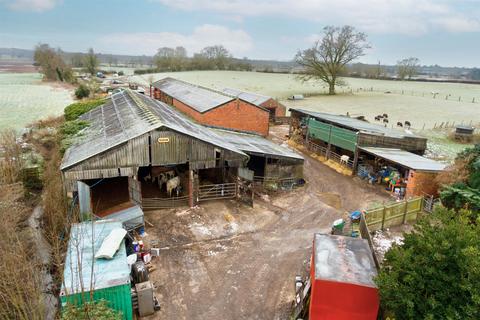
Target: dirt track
[(224, 260)]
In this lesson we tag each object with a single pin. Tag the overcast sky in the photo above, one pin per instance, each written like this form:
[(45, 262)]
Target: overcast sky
[(444, 32)]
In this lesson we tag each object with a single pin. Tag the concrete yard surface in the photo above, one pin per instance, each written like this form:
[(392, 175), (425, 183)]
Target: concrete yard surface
[(225, 260)]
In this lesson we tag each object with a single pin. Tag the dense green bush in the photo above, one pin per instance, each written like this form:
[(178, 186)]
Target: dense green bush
[(71, 128), (435, 274), (82, 91), (465, 194), (91, 310), (75, 110)]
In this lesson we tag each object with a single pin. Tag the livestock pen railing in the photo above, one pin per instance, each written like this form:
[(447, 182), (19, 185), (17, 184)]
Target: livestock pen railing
[(393, 214), (283, 183), (164, 203), (323, 151), (217, 191), (338, 158)]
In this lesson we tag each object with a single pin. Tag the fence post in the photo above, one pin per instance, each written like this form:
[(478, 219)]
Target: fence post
[(327, 154), (405, 212), (383, 215)]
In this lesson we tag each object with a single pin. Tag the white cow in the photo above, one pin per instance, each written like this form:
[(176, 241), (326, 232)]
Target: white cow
[(344, 159), (172, 184)]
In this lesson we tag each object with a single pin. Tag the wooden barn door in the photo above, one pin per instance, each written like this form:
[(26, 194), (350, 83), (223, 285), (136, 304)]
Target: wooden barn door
[(135, 191)]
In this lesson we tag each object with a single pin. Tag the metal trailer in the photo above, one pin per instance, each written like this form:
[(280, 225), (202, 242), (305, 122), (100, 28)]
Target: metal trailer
[(340, 286)]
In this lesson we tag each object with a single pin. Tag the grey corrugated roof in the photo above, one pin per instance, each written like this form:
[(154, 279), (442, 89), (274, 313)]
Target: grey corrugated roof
[(406, 159), (200, 98), (255, 144), (253, 98), (85, 239), (344, 259), (355, 124), (128, 115)]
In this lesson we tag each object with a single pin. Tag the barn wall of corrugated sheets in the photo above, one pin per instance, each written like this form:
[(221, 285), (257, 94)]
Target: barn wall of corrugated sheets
[(167, 148), (170, 147), (118, 298)]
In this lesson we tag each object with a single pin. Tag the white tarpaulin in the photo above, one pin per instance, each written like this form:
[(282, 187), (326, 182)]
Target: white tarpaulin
[(111, 244)]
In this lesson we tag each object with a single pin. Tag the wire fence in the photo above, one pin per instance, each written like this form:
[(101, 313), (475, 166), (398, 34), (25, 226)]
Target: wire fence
[(413, 93)]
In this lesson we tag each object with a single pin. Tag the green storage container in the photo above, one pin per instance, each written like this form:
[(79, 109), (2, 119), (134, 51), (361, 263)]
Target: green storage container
[(111, 278)]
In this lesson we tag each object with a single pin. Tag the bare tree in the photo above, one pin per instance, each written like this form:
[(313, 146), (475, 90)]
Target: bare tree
[(217, 55), (330, 54), (91, 62), (407, 67), (51, 63)]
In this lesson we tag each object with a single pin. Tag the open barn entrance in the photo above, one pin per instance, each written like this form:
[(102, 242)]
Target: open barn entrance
[(164, 186), (155, 181), (257, 165), (108, 195)]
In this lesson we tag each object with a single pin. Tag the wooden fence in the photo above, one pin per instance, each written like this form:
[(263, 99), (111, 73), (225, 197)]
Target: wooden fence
[(393, 214), (365, 234)]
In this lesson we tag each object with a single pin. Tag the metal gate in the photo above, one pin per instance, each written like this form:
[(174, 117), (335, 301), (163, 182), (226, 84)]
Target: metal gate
[(164, 203), (217, 191)]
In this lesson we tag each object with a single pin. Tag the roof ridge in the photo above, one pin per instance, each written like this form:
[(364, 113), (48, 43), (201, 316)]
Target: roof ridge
[(245, 91), (145, 111), (201, 87)]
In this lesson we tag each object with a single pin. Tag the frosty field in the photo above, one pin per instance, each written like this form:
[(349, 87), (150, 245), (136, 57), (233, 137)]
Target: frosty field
[(416, 104), (24, 98)]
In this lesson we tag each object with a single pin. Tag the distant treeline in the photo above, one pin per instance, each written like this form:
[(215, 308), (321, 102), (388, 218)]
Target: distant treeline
[(209, 58), (173, 59)]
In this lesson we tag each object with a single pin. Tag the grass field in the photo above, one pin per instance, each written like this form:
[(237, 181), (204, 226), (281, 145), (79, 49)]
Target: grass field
[(416, 104), (24, 98), (406, 100)]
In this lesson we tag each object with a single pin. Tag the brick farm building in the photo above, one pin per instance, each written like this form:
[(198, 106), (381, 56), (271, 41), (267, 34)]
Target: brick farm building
[(211, 107), (275, 108)]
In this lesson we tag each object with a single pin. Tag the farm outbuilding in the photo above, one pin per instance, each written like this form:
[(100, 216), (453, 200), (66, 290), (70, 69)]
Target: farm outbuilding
[(464, 133), (140, 151), (339, 135), (106, 279), (415, 175), (275, 108), (269, 161), (211, 107), (341, 274)]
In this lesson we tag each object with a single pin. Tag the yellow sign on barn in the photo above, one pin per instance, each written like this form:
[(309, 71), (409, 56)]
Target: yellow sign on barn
[(163, 140)]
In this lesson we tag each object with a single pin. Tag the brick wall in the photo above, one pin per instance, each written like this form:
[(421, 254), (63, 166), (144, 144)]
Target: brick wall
[(237, 114), (274, 104), (421, 182)]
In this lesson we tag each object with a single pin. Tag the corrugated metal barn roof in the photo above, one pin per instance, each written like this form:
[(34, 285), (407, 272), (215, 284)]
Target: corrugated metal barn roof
[(197, 97), (406, 159), (128, 115), (253, 98), (85, 239), (355, 124), (254, 144)]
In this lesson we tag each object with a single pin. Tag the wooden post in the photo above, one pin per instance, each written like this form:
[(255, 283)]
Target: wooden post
[(306, 135), (191, 200), (405, 212), (355, 159), (383, 215)]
